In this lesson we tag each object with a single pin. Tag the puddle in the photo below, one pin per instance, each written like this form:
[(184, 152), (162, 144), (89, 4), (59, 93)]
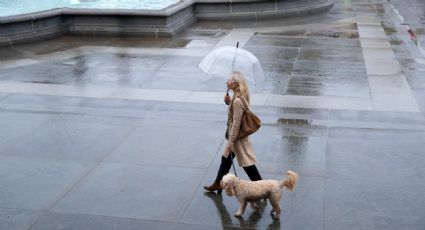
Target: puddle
[(125, 55), (380, 8), (299, 122), (352, 26), (177, 43), (350, 34), (283, 33), (69, 63), (389, 30), (396, 42), (80, 66), (420, 61), (206, 33), (420, 31), (312, 54), (199, 44), (44, 82)]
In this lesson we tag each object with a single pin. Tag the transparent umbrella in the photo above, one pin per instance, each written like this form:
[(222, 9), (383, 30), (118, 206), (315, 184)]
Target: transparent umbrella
[(222, 61)]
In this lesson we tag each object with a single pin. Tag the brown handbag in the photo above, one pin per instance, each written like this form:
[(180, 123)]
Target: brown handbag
[(250, 122)]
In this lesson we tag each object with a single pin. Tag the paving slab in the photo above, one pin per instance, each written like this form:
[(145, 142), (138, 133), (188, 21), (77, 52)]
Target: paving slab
[(18, 219), (63, 139), (3, 95), (291, 147), (92, 110), (150, 94), (407, 118), (56, 89), (342, 211), (42, 100), (327, 68), (420, 99), (351, 54), (37, 184), (392, 93), (20, 124), (383, 67), (371, 31), (374, 54), (375, 43), (271, 53), (142, 106), (199, 112), (234, 36), (287, 115), (17, 63), (153, 145), (328, 86), (186, 80), (53, 220), (131, 191), (384, 156), (320, 102)]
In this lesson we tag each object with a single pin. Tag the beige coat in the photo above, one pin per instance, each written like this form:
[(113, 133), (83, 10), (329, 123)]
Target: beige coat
[(243, 147)]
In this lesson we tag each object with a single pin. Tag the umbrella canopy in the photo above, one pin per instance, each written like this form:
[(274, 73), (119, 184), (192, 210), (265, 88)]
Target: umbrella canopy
[(220, 63)]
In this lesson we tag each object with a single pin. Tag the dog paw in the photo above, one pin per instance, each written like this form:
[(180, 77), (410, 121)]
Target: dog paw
[(255, 207), (238, 214), (274, 215)]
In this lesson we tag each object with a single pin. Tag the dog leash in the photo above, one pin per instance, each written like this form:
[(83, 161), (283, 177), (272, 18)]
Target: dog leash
[(233, 164)]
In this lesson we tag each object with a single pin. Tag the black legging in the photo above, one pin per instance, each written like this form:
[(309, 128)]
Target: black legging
[(226, 164)]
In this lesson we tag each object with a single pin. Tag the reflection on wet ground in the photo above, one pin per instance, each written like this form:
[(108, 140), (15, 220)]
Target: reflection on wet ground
[(250, 222), (102, 161), (299, 122)]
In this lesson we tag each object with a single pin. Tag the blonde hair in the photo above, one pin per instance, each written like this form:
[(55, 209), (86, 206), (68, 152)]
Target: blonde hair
[(242, 90)]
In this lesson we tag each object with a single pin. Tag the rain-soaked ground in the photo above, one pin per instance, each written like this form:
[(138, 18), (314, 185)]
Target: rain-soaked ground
[(122, 133)]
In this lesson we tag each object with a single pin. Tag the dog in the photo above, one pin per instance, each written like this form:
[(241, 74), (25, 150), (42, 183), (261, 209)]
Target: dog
[(251, 191)]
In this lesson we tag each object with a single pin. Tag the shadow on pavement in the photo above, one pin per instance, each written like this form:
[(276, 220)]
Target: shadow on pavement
[(251, 222)]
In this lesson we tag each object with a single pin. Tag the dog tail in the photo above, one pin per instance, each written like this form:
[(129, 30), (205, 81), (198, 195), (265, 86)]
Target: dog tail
[(290, 181)]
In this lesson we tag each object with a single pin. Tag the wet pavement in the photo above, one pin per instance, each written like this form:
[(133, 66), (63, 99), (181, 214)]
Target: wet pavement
[(122, 133)]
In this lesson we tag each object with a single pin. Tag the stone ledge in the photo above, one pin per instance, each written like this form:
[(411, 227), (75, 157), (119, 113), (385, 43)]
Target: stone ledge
[(262, 10), (162, 23)]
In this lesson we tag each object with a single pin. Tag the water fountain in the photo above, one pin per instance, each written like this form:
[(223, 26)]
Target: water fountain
[(24, 21)]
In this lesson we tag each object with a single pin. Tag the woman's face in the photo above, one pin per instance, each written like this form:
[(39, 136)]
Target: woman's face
[(231, 84)]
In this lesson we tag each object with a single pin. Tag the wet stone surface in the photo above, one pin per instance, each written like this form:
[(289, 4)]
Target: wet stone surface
[(3, 95), (355, 159), (54, 220), (80, 148), (17, 218)]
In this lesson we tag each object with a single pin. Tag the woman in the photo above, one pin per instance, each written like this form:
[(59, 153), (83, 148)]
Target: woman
[(242, 148)]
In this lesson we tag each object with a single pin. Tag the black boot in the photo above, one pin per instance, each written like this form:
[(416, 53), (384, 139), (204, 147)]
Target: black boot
[(253, 173), (226, 164)]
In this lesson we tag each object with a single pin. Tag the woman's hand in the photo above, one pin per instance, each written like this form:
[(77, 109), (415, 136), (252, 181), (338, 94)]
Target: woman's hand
[(228, 149), (227, 99)]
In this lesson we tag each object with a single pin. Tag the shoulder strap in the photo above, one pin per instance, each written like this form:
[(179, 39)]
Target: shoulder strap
[(244, 103)]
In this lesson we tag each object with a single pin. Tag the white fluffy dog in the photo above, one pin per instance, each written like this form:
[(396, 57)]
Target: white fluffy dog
[(250, 191)]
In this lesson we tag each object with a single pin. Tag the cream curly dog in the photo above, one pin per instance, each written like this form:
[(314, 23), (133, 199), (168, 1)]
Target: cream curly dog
[(250, 191)]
